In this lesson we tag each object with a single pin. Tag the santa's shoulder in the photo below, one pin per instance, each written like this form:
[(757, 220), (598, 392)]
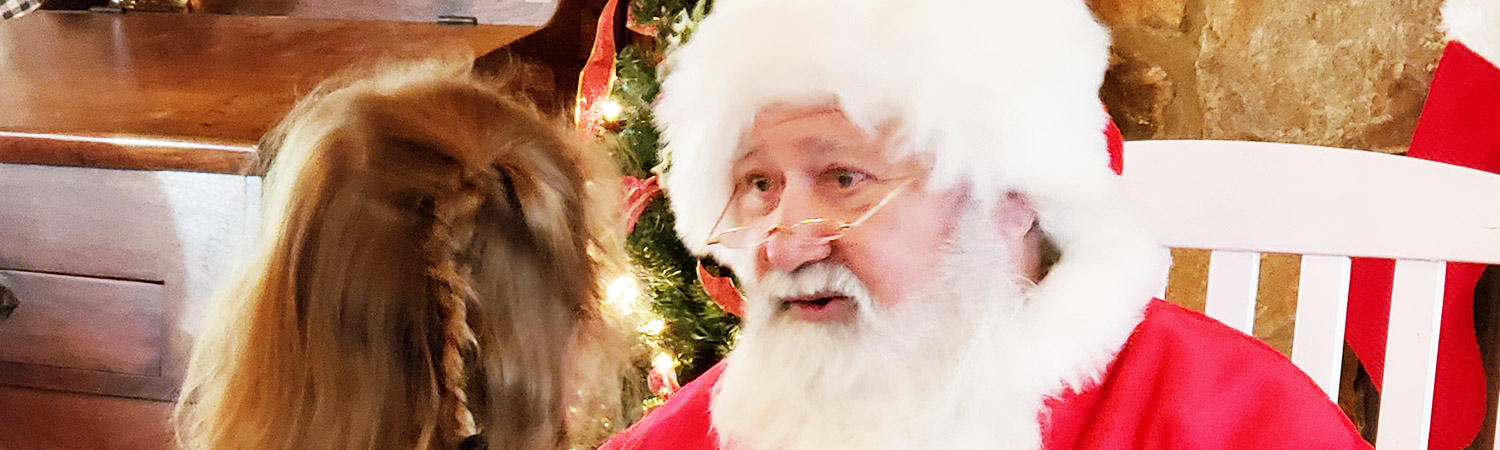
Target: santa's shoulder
[(1190, 378), (682, 423), (1174, 339)]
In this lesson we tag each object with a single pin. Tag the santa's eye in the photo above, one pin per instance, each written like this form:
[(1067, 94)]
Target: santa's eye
[(756, 195), (847, 178), (759, 182)]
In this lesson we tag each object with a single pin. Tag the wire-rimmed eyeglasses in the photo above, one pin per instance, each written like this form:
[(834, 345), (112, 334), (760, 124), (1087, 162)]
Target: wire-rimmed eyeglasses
[(816, 231)]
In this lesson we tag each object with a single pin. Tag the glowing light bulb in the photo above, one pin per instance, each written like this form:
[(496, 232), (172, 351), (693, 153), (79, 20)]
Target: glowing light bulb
[(664, 362), (610, 110), (623, 292), (654, 327)]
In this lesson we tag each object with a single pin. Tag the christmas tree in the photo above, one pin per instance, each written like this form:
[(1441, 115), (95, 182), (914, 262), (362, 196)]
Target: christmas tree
[(686, 330)]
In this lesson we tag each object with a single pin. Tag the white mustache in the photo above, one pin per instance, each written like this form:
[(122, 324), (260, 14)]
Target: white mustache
[(820, 279)]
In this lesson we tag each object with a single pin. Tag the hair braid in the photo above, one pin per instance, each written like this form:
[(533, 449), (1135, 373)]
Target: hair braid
[(452, 214)]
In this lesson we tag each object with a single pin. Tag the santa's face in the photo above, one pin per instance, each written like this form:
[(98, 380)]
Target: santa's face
[(845, 324), (812, 166)]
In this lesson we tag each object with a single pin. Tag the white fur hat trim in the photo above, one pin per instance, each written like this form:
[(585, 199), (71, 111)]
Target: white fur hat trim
[(1475, 23)]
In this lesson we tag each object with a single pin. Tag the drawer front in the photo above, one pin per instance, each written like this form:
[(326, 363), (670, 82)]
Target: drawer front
[(36, 419), (112, 223), (116, 223), (84, 323)]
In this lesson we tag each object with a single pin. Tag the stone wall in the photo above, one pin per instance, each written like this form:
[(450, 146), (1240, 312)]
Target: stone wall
[(1343, 73)]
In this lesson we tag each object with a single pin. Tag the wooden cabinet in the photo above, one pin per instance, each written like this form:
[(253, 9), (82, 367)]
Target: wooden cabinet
[(110, 267), (126, 195)]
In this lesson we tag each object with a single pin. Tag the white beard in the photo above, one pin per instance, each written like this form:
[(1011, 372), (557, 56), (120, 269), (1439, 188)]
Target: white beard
[(948, 369)]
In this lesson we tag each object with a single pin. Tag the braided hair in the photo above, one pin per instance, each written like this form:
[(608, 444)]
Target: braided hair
[(451, 289), (428, 275)]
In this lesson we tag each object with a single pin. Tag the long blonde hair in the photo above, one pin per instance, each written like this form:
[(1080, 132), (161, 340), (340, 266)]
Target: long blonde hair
[(429, 269)]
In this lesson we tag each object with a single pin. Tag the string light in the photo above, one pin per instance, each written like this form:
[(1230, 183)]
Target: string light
[(609, 110), (653, 328), (623, 293), (664, 362)]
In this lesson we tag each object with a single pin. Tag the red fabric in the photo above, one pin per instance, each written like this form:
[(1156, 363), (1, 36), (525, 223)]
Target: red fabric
[(682, 423), (1116, 147), (1182, 381), (1460, 124)]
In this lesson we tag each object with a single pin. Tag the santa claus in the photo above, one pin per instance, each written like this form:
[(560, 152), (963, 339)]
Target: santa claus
[(935, 251)]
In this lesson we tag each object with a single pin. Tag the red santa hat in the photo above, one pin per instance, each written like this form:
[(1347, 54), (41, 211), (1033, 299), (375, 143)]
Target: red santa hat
[(1000, 95)]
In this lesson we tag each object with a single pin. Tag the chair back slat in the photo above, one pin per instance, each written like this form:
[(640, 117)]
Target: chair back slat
[(1233, 278), (1411, 355), (1318, 337), (1287, 198)]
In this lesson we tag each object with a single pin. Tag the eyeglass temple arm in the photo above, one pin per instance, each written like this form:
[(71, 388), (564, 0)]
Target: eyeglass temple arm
[(881, 204)]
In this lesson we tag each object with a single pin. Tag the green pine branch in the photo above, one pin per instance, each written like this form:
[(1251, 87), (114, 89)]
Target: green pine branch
[(698, 333)]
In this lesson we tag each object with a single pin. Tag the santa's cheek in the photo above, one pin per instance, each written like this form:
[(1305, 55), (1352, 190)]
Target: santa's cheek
[(887, 277)]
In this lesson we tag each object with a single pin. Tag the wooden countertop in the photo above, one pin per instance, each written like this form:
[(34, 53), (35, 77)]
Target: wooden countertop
[(189, 92)]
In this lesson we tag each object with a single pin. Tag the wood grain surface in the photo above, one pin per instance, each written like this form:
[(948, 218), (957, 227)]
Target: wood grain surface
[(185, 91), (38, 419), (102, 150), (84, 323), (491, 12), (107, 223)]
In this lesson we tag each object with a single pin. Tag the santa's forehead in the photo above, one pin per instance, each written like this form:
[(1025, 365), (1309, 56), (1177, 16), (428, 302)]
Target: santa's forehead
[(823, 130)]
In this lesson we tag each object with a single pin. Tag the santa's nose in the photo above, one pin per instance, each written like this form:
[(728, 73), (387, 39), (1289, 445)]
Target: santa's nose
[(785, 252), (789, 246)]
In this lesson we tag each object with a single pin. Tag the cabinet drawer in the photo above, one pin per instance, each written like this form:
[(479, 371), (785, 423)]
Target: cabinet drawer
[(84, 323), (115, 223), (36, 419)]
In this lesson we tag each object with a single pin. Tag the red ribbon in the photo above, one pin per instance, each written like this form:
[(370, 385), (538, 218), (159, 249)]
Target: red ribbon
[(722, 290), (645, 28), (662, 381), (597, 77), (638, 194)]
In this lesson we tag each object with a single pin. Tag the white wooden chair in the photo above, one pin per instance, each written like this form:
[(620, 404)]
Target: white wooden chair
[(1240, 199)]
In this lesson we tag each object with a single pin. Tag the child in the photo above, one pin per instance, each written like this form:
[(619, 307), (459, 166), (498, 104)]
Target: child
[(428, 275)]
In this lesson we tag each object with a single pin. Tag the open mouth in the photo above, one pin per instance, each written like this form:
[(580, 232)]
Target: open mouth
[(819, 307)]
